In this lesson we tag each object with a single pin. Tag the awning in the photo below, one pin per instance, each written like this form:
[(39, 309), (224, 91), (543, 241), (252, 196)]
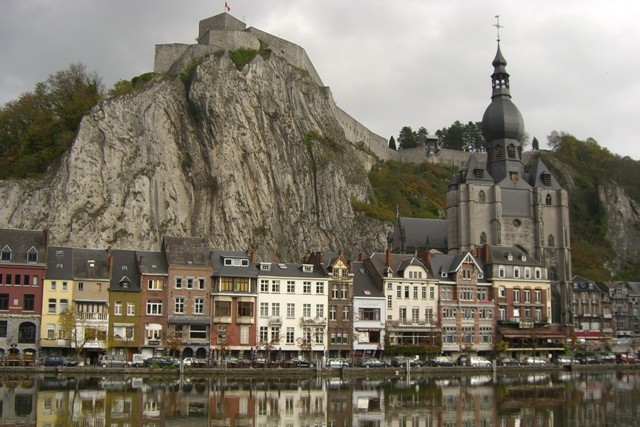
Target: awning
[(153, 327), (531, 333), (589, 335)]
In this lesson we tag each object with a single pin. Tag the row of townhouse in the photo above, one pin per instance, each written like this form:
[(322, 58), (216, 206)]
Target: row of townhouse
[(207, 303)]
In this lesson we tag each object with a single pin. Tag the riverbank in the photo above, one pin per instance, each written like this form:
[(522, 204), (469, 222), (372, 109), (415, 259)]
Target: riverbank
[(269, 372)]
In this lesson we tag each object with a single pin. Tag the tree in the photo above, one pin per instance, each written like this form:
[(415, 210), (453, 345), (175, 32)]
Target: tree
[(74, 327), (462, 137), (174, 342), (407, 138), (392, 144)]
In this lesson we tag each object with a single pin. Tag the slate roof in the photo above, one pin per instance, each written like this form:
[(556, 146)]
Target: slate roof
[(192, 251), (59, 263), (538, 168), (420, 234), (124, 265), (90, 264), (499, 255), (219, 269), (398, 262), (152, 263), (450, 263), (21, 241), (363, 283), (288, 270)]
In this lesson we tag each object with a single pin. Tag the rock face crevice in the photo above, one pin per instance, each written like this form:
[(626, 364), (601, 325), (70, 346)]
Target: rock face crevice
[(223, 157)]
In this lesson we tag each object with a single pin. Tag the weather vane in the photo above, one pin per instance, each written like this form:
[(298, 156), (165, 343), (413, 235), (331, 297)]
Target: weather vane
[(498, 26)]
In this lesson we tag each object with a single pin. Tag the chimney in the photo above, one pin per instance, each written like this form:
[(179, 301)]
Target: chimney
[(141, 260), (388, 257), (361, 256)]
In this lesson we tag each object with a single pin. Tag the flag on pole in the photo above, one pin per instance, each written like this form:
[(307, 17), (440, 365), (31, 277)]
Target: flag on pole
[(226, 6)]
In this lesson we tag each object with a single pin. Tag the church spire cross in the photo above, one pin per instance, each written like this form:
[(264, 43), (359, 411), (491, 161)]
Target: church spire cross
[(498, 26)]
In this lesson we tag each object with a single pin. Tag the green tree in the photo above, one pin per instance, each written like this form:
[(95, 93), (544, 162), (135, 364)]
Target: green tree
[(407, 138), (392, 143), (39, 126)]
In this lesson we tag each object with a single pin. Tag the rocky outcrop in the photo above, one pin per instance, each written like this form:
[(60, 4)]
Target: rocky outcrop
[(623, 225), (253, 158)]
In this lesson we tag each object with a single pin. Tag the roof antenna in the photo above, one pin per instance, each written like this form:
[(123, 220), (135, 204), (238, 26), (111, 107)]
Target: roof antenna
[(498, 26)]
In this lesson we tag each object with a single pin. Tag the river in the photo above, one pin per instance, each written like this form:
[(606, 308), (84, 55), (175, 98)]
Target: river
[(557, 398)]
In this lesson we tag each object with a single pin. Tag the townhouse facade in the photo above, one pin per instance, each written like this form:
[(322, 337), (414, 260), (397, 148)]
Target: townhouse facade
[(370, 312), (22, 271), (154, 276), (292, 313)]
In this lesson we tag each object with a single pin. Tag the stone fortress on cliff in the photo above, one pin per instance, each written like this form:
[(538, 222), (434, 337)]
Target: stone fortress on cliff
[(224, 32)]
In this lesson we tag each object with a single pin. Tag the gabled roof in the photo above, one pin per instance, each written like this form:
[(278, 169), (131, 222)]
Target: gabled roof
[(476, 170), (584, 285), (398, 262), (536, 172), (364, 286), (90, 264), (152, 263), (20, 242), (191, 251), (419, 234), (124, 267), (220, 269), (510, 255), (289, 271), (59, 263), (449, 264)]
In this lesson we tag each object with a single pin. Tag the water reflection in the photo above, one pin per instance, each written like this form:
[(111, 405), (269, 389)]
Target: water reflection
[(526, 399)]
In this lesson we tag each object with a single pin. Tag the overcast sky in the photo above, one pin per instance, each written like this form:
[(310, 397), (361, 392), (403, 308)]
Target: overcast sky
[(574, 64)]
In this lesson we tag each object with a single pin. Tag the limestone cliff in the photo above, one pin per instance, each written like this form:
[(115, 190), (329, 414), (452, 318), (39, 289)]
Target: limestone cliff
[(251, 158)]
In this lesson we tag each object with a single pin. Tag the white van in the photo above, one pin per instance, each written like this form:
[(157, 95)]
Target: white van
[(137, 360)]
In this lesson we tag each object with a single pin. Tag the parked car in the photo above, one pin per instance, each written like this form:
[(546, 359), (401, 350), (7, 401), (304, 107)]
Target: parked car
[(54, 361), (70, 361), (112, 360), (372, 363), (160, 361), (337, 363), (566, 361), (401, 362), (298, 363), (626, 359), (193, 362), (607, 358), (440, 361), (478, 361), (462, 360), (508, 361), (537, 361)]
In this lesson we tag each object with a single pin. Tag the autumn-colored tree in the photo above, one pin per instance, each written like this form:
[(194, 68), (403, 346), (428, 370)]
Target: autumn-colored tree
[(76, 330)]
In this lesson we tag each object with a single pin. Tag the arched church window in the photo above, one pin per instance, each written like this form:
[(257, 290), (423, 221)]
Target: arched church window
[(483, 238), (552, 241), (482, 196), (499, 153), (511, 151), (549, 200)]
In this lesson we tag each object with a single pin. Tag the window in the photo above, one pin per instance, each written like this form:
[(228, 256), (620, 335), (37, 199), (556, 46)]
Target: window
[(424, 292), (201, 283), (516, 272), (428, 315), (222, 308), (131, 309), (511, 151), (290, 335), (275, 334), (415, 292), (291, 287), (399, 291), (264, 285), (466, 294), (482, 196), (51, 331), (369, 313), (319, 310), (449, 312), (551, 241), (402, 314), (242, 284), (178, 307), (154, 308), (154, 285), (306, 287), (548, 200), (4, 301), (236, 262), (52, 306), (546, 179), (264, 334), (30, 303), (389, 301), (275, 309), (406, 292), (319, 288), (466, 274), (64, 305), (245, 309), (501, 272), (18, 277), (538, 273), (306, 310), (291, 310), (178, 282), (527, 295), (415, 315), (502, 292), (538, 296), (333, 311), (6, 254), (244, 335), (516, 295), (432, 292), (52, 286), (264, 309), (346, 313), (198, 305), (32, 255), (275, 286), (226, 284), (198, 332), (344, 292), (189, 282), (468, 313), (80, 286)]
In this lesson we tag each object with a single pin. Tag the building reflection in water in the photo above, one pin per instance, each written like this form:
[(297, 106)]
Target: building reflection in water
[(526, 399)]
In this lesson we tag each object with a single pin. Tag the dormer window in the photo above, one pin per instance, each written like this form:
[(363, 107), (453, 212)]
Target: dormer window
[(91, 263), (509, 256), (6, 254), (478, 173), (307, 268), (523, 257), (32, 255), (546, 179), (125, 282), (265, 266), (236, 262)]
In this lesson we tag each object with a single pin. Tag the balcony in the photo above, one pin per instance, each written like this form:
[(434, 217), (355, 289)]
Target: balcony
[(221, 319), (313, 321), (93, 316), (275, 320), (244, 320)]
